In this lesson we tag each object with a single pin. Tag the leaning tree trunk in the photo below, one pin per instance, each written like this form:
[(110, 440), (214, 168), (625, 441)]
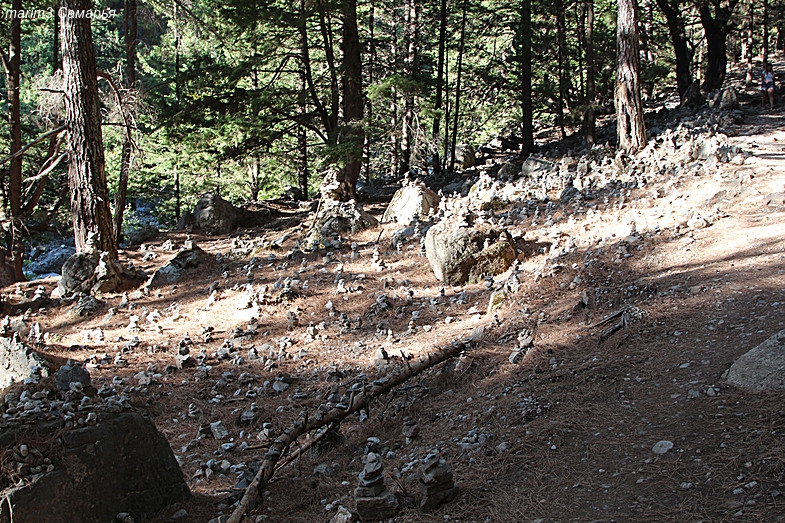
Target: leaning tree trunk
[(353, 135), (86, 176), (629, 109)]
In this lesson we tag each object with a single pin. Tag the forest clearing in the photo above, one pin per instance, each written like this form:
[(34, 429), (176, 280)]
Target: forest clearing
[(341, 292)]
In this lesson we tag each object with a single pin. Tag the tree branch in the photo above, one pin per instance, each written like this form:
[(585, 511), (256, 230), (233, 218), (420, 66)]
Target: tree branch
[(358, 402), (29, 145)]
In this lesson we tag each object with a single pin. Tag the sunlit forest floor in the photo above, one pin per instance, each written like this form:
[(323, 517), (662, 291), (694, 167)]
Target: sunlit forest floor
[(564, 435)]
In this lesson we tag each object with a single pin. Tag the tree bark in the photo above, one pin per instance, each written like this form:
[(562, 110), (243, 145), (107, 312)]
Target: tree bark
[(13, 72), (681, 48), (130, 25), (410, 64), (764, 45), (458, 74), (436, 160), (629, 109), (716, 26), (302, 139), (561, 52), (353, 102), (589, 119), (525, 64), (86, 175)]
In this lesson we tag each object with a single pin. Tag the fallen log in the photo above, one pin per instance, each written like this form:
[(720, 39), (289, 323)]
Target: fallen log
[(335, 415)]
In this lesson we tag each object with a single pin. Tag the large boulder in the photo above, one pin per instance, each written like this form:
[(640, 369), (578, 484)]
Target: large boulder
[(91, 272), (762, 368), (413, 200), (459, 253), (693, 97), (465, 156), (729, 100), (122, 464), (190, 257), (18, 362), (214, 215), (533, 167)]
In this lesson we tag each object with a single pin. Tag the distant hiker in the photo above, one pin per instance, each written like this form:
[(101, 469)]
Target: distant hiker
[(767, 85)]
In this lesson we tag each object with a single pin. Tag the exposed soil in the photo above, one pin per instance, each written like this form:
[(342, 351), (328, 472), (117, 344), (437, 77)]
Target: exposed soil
[(564, 435)]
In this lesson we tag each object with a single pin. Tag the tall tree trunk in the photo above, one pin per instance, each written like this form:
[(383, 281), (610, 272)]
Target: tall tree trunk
[(395, 136), (302, 139), (353, 134), (716, 27), (436, 161), (525, 59), (13, 75), (86, 176), (747, 45), (457, 108), (129, 22), (681, 48), (561, 51), (56, 63), (177, 206), (369, 103), (629, 109), (764, 45), (589, 119), (411, 70)]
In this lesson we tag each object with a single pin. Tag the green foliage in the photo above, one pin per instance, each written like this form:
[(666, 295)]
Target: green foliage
[(221, 85)]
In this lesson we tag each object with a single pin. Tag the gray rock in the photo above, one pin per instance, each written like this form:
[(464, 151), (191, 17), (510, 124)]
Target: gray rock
[(729, 99), (436, 483), (122, 464), (214, 215), (762, 369), (17, 361), (171, 272), (465, 156), (534, 166), (457, 254), (693, 97), (661, 447), (337, 218), (413, 200), (343, 515), (143, 234), (71, 372), (384, 506), (89, 272), (219, 430)]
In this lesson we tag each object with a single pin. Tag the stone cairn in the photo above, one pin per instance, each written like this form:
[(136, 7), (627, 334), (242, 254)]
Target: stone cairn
[(374, 501), (436, 484)]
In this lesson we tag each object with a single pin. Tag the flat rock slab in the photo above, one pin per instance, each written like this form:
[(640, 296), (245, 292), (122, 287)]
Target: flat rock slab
[(122, 464), (762, 368)]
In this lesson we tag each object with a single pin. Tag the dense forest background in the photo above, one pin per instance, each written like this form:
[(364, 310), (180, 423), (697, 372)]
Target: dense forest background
[(250, 97)]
